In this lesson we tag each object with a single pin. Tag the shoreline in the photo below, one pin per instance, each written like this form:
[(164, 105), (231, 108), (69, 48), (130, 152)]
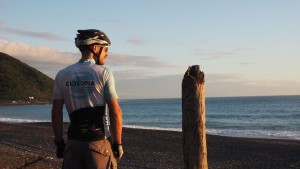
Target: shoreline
[(21, 104), (32, 144), (40, 122)]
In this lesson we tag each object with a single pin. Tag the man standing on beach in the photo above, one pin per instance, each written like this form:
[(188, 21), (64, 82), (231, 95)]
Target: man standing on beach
[(85, 87)]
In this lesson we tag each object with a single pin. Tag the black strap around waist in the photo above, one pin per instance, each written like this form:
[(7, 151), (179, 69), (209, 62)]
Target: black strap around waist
[(87, 124)]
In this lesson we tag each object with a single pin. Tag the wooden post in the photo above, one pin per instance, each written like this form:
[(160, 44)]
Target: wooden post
[(193, 119)]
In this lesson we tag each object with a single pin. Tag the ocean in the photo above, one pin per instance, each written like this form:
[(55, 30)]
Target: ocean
[(276, 117)]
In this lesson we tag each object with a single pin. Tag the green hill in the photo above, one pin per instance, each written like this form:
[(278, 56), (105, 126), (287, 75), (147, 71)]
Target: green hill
[(22, 83)]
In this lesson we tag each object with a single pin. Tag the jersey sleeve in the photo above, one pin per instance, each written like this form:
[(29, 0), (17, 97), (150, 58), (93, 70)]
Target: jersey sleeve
[(109, 87), (57, 93)]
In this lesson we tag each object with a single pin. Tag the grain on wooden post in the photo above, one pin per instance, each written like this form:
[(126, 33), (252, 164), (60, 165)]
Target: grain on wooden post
[(193, 119)]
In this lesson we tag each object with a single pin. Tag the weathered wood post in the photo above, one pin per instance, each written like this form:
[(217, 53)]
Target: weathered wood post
[(193, 119)]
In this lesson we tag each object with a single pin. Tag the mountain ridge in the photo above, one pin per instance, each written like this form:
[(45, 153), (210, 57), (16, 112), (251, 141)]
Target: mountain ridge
[(21, 83)]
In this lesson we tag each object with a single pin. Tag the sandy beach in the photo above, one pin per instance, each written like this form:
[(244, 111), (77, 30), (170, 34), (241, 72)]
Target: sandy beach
[(31, 146)]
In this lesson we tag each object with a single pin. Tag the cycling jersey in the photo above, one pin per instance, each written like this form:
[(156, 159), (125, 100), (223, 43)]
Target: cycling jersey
[(84, 84), (84, 87)]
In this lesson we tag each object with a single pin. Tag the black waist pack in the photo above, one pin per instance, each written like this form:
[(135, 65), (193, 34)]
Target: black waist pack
[(87, 124)]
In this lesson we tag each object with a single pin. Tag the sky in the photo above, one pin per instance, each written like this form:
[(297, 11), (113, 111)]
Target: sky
[(244, 47)]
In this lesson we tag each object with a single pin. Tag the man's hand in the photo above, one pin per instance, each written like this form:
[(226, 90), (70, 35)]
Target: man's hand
[(117, 150), (60, 147)]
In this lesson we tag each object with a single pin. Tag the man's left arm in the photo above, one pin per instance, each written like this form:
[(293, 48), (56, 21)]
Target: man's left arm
[(115, 114)]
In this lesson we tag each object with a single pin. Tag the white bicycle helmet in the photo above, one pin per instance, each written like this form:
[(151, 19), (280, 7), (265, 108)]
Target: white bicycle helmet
[(91, 36)]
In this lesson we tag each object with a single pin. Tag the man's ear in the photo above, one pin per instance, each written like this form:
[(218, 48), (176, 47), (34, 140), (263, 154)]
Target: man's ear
[(94, 48)]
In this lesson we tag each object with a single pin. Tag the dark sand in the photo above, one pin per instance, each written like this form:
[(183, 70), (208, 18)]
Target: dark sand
[(31, 146)]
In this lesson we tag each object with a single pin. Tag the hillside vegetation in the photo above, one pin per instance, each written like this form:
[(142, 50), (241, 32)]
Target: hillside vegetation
[(22, 83)]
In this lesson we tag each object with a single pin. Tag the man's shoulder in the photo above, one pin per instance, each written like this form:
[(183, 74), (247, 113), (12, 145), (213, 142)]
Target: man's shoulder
[(70, 67), (101, 68), (106, 69), (67, 69)]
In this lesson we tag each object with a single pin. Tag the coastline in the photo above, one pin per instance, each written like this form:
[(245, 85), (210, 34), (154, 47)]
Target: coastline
[(21, 104), (30, 145)]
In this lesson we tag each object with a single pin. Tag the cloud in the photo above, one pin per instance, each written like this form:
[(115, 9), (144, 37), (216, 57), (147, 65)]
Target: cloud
[(136, 61), (136, 40), (248, 63), (237, 85), (41, 35), (272, 83), (223, 77), (214, 55), (50, 61), (216, 85), (220, 54), (244, 49), (2, 22), (45, 54), (34, 53), (151, 87), (45, 59), (139, 79), (133, 74)]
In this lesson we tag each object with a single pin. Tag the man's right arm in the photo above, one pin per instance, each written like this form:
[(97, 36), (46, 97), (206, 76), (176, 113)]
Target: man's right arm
[(57, 125), (57, 119)]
